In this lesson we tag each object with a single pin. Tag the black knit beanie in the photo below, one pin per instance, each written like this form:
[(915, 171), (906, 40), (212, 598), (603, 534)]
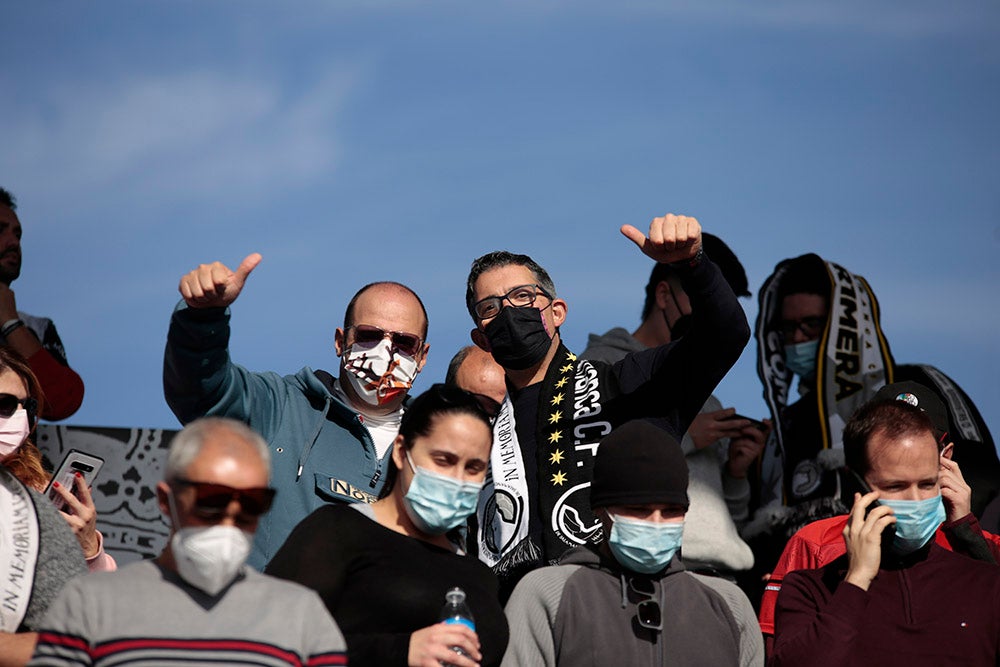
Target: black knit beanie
[(639, 464)]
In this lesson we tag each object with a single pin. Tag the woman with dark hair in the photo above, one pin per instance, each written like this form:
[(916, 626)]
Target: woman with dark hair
[(21, 402), (383, 569)]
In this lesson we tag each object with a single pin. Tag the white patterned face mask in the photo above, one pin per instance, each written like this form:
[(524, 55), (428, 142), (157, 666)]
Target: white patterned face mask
[(377, 374)]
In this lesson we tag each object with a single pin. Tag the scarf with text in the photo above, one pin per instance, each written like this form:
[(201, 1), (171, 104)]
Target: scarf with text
[(18, 550), (853, 362), (569, 428)]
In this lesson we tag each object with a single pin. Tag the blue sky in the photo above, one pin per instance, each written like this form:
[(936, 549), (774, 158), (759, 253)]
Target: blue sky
[(357, 141)]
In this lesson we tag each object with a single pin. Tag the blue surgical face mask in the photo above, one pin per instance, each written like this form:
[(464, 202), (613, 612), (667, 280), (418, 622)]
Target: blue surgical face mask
[(641, 546), (800, 358), (916, 522), (437, 503)]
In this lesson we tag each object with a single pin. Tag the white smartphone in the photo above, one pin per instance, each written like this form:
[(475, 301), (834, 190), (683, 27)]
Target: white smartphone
[(74, 462)]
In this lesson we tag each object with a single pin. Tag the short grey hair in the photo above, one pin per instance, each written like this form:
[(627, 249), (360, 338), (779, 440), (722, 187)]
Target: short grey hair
[(187, 444)]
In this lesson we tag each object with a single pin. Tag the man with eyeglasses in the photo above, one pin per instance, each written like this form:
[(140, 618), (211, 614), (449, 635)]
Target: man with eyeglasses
[(535, 504), (628, 599), (196, 603), (330, 437), (34, 338)]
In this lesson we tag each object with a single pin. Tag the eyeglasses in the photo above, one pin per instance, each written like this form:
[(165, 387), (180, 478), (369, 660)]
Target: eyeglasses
[(9, 404), (211, 501), (810, 327), (521, 296), (407, 343), (648, 610)]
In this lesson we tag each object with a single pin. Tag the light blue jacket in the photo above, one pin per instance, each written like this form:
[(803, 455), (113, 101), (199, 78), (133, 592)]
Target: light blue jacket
[(320, 451)]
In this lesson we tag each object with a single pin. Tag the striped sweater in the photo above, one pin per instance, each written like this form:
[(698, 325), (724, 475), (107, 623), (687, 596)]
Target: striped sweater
[(145, 615)]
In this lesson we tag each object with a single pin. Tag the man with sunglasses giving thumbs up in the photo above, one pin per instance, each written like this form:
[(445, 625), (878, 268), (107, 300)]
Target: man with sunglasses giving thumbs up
[(330, 437)]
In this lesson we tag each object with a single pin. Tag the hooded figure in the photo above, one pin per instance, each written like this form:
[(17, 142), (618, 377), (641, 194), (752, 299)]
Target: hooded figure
[(850, 362), (841, 359)]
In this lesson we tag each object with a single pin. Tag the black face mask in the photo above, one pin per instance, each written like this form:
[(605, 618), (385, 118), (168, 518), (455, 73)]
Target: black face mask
[(682, 325), (518, 339)]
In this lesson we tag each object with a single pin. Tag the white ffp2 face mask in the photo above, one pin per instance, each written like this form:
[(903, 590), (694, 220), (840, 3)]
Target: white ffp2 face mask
[(14, 431), (377, 374), (208, 557)]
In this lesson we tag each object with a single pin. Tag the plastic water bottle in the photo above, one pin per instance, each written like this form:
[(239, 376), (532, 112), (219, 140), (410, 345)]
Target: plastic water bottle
[(455, 610)]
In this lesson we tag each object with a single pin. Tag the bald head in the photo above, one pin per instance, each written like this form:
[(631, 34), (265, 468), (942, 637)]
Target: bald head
[(476, 372), (396, 297)]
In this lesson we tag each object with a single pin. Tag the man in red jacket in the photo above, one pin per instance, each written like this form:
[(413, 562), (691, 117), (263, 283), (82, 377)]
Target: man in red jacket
[(34, 338), (895, 597)]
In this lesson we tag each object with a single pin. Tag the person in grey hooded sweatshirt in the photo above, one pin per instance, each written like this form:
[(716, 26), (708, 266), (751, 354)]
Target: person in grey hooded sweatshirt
[(629, 600)]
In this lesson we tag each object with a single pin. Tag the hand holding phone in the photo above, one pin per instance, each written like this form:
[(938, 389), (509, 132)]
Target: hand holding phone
[(756, 423), (75, 461), (864, 536), (70, 492)]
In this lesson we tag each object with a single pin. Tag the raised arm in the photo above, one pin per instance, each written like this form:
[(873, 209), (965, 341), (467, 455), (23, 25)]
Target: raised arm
[(198, 376), (673, 381)]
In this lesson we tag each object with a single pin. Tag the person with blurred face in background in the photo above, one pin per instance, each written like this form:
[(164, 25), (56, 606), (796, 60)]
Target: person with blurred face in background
[(197, 603), (475, 371), (34, 338)]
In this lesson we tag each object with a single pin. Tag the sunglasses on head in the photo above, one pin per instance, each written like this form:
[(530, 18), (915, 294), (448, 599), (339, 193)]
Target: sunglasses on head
[(211, 501), (407, 343), (647, 611), (10, 403)]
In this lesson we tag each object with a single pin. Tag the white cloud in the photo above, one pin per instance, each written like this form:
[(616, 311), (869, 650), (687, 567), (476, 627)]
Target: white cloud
[(199, 133)]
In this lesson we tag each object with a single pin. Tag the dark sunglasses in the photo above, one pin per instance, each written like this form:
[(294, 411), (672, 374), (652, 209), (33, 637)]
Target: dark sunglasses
[(9, 404), (453, 396), (407, 343), (489, 406), (211, 501), (647, 611)]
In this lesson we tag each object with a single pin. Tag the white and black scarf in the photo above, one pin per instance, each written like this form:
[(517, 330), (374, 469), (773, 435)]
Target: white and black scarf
[(569, 428), (19, 540)]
